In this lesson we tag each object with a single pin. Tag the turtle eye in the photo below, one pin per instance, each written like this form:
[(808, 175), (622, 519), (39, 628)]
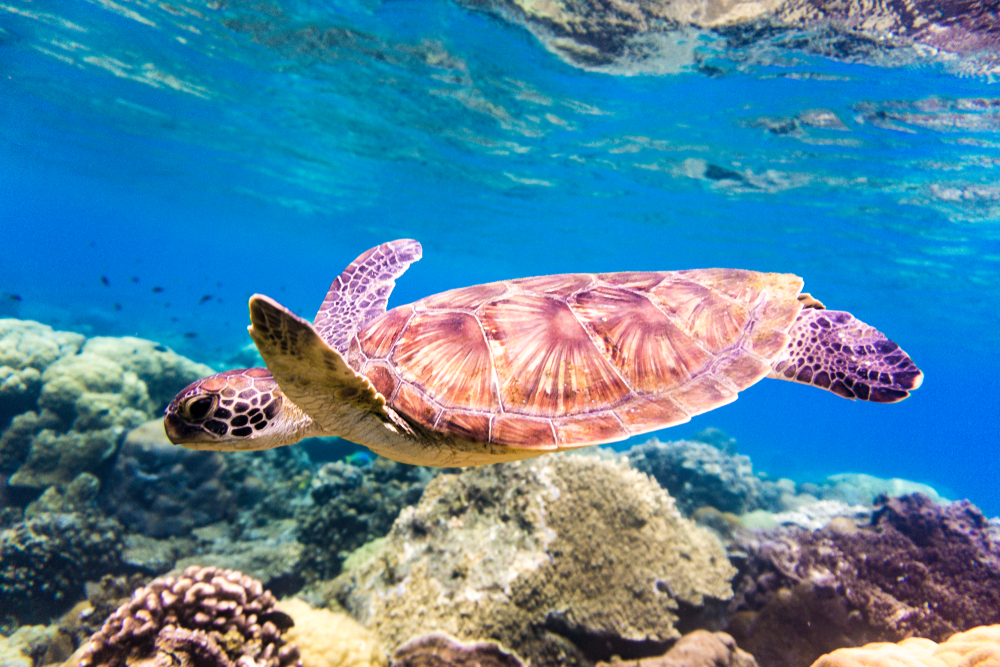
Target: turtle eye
[(199, 409)]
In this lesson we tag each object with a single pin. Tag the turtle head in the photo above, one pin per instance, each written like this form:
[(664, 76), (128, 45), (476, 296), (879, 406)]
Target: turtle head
[(237, 410)]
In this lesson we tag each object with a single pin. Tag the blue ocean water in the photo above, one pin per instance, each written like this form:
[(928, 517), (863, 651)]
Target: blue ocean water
[(159, 163)]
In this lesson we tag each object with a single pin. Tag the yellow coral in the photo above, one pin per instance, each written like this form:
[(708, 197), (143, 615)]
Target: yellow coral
[(979, 647), (326, 639)]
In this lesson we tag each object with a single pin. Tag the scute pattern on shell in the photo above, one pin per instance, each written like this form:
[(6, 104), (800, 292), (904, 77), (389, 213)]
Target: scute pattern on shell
[(578, 359)]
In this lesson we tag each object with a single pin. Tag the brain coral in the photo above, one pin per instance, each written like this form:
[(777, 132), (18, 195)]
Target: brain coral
[(565, 559), (65, 402), (979, 647), (206, 617), (920, 569)]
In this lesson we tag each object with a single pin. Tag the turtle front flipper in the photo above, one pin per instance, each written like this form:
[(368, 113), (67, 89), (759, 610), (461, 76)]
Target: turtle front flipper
[(834, 350), (312, 374), (361, 292)]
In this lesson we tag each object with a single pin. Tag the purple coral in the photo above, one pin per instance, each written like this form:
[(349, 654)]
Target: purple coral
[(207, 616), (919, 570)]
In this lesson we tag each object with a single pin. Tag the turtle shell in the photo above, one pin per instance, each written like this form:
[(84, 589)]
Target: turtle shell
[(577, 359)]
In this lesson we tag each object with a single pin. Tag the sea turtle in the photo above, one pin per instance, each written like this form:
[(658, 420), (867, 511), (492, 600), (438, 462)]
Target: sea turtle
[(518, 368)]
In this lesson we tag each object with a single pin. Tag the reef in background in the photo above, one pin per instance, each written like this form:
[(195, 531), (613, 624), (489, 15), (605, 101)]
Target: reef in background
[(66, 402), (565, 558)]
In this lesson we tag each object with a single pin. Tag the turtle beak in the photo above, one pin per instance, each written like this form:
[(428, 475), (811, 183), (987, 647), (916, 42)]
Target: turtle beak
[(180, 433)]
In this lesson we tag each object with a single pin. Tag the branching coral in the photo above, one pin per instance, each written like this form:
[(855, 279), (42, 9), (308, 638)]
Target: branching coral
[(206, 617)]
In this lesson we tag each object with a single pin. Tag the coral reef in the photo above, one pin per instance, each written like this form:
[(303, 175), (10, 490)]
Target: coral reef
[(696, 649), (46, 558), (207, 616), (142, 553), (353, 505), (698, 474), (234, 510), (272, 485), (34, 645), (808, 513), (163, 371), (440, 650), (919, 569), (26, 350), (270, 553), (71, 400), (858, 489), (103, 598), (159, 489), (563, 559), (328, 639), (979, 646)]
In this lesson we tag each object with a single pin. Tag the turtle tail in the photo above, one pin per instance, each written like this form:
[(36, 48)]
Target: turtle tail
[(835, 351)]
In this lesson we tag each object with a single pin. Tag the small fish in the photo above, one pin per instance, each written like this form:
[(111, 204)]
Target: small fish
[(161, 348), (134, 279), (13, 297), (157, 290), (207, 297), (104, 279), (280, 619), (117, 306), (190, 334), (358, 458)]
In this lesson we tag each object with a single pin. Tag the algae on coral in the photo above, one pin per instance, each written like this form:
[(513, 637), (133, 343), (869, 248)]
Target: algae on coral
[(567, 558)]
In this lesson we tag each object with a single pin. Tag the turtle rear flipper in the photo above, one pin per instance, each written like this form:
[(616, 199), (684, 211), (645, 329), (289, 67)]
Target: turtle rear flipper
[(834, 350), (361, 292), (310, 372)]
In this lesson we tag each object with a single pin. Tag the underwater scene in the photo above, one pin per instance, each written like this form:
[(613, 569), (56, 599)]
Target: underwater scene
[(509, 263)]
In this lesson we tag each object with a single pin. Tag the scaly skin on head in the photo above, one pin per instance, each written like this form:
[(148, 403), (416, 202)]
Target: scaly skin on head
[(237, 410)]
